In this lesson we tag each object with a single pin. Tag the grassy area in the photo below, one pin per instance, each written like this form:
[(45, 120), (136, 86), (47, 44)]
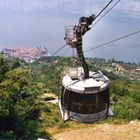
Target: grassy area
[(103, 132)]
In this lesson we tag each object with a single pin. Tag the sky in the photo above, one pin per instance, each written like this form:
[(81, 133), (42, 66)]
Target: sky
[(34, 23)]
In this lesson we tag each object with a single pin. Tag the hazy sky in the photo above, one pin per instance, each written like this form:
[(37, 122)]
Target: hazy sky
[(33, 23)]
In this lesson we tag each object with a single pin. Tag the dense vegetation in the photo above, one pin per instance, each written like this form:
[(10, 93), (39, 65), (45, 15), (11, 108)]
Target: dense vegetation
[(126, 95), (19, 105), (24, 115)]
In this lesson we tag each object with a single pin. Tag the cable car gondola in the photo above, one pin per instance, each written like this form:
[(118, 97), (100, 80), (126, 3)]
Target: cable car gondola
[(85, 94)]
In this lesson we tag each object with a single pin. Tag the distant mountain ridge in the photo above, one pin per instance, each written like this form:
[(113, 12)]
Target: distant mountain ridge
[(29, 54)]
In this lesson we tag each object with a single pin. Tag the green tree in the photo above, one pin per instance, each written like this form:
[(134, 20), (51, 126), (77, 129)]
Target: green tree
[(19, 105), (127, 109)]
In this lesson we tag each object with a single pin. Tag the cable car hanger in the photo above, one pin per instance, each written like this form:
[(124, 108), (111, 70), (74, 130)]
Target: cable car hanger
[(74, 34)]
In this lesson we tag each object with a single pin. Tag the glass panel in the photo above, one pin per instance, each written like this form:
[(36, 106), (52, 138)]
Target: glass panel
[(86, 103)]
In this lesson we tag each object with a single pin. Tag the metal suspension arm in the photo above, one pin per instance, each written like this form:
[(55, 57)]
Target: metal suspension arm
[(74, 39), (81, 55)]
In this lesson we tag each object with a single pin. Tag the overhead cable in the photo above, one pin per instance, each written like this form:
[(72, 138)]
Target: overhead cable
[(50, 66), (59, 49), (103, 9), (114, 40), (105, 13)]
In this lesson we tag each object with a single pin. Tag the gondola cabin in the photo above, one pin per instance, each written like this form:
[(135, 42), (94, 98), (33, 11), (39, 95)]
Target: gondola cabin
[(84, 100)]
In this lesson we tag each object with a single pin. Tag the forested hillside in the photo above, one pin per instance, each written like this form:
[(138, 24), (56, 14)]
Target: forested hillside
[(19, 104), (24, 114)]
